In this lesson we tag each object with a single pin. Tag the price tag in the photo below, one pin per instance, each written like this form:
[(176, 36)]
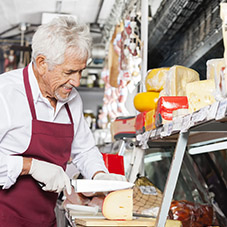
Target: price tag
[(139, 137), (221, 109), (170, 128), (186, 123), (144, 139), (158, 131), (199, 115), (177, 123), (153, 133), (212, 111), (165, 130)]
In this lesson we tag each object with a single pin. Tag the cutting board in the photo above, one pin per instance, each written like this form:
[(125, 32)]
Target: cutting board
[(148, 222)]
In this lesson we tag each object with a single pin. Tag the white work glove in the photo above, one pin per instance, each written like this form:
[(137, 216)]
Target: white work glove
[(109, 176), (52, 176)]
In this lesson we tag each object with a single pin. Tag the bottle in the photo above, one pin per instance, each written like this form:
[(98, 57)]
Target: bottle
[(89, 116)]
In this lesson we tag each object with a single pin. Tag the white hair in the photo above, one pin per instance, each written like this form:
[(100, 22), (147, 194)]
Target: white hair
[(58, 36)]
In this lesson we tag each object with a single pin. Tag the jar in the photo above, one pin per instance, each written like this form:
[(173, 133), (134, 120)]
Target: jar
[(89, 116)]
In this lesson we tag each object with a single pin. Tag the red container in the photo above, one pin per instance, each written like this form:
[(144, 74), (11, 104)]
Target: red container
[(114, 163)]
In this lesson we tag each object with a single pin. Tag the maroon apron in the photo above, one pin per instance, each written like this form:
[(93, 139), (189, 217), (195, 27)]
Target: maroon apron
[(25, 203)]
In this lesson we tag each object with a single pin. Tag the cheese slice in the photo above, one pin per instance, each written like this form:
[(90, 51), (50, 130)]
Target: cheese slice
[(118, 205), (200, 94), (177, 79)]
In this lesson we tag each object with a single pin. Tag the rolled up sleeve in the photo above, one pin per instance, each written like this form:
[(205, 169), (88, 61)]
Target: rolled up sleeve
[(10, 170)]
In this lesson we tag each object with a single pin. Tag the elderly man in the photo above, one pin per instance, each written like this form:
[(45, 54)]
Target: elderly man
[(42, 126)]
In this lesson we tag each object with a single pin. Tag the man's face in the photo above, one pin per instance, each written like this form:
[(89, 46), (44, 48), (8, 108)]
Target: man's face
[(60, 81)]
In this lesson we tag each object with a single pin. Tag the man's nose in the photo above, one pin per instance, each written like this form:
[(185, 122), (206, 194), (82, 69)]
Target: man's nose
[(75, 80)]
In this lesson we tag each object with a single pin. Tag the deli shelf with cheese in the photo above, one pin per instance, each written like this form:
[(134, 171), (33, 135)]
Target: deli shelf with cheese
[(185, 151)]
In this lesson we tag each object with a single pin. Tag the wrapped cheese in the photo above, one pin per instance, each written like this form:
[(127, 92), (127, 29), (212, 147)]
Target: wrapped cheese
[(166, 106), (200, 94), (123, 127), (156, 78), (223, 15), (214, 68), (146, 101), (177, 79), (215, 71), (145, 121)]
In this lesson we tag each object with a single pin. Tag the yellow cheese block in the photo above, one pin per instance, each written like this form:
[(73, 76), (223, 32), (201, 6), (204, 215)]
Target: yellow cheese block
[(214, 68), (150, 120), (177, 79), (146, 101), (156, 78), (118, 205), (200, 94)]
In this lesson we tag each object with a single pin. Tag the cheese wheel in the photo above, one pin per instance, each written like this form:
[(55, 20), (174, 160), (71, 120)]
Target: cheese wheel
[(118, 205), (156, 78), (146, 101)]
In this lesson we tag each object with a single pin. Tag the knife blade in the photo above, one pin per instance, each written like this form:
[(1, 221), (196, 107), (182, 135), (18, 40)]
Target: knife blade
[(84, 185)]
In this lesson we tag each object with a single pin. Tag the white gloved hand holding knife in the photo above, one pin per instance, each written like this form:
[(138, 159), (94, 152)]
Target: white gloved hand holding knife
[(52, 176)]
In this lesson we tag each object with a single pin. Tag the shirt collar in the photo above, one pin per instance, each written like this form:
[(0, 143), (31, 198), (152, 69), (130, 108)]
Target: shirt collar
[(36, 93)]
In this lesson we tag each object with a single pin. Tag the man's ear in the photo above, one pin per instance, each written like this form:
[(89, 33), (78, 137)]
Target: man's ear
[(41, 64)]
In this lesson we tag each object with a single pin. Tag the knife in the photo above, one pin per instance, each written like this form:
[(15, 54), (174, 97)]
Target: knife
[(84, 185)]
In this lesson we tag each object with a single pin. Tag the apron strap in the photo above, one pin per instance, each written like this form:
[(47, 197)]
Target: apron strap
[(69, 112), (29, 92)]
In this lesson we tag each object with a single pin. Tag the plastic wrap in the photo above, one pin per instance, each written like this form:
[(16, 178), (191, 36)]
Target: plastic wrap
[(191, 214), (166, 106), (146, 197), (156, 78), (223, 15), (215, 72), (176, 80), (146, 101)]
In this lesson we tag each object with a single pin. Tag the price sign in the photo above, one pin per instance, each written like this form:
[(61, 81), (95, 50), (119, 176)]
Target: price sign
[(199, 115), (221, 109), (177, 124), (170, 128), (165, 130), (158, 131), (153, 133), (212, 111), (186, 123)]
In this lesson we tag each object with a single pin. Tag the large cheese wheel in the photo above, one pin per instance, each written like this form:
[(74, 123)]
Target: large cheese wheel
[(156, 78), (118, 205), (146, 101)]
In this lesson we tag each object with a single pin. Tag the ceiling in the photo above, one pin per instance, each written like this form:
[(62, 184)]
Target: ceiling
[(15, 13)]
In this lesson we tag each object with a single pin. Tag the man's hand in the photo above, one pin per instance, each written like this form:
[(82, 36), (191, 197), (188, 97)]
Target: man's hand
[(109, 176), (52, 176)]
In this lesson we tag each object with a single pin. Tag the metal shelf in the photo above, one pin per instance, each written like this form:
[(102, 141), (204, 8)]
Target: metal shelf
[(199, 125)]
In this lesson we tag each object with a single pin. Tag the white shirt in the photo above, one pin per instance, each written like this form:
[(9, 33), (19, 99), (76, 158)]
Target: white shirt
[(15, 127)]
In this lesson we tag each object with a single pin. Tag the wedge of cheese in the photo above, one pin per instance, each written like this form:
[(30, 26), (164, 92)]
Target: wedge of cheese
[(177, 79), (200, 94), (118, 205)]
